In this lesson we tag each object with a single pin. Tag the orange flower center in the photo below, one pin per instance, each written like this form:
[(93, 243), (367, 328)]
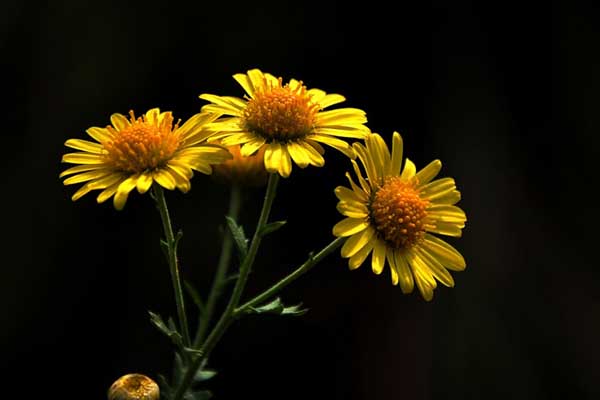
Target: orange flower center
[(143, 144), (281, 113), (398, 213)]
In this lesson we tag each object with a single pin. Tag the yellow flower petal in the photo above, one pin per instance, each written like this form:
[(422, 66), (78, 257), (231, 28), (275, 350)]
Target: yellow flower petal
[(439, 272), (108, 192), (82, 168), (228, 106), (102, 135), (357, 259), (84, 145), (349, 226), (353, 209), (314, 157), (379, 154), (405, 276), (446, 228), (119, 121), (272, 157), (298, 154), (105, 181), (409, 170), (164, 179), (152, 116), (396, 160), (391, 259), (257, 78), (378, 258), (285, 162), (330, 100), (374, 179), (425, 175), (448, 255), (86, 176), (341, 116), (345, 194), (356, 242), (337, 144), (362, 195), (123, 191), (252, 146), (82, 158), (144, 182), (446, 213)]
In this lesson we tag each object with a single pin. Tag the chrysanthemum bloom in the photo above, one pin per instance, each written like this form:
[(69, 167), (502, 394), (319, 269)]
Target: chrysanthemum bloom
[(240, 170), (393, 215), (134, 387), (285, 120), (133, 153)]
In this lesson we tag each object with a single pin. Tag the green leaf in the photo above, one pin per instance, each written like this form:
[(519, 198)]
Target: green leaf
[(272, 227), (164, 246), (195, 296), (193, 352), (170, 331), (165, 389), (204, 375), (178, 369), (200, 395), (239, 237), (178, 237), (278, 308)]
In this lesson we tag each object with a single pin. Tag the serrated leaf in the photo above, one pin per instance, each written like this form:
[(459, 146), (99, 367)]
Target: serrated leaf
[(158, 322), (193, 293), (271, 227), (278, 308), (275, 307), (169, 330), (294, 311), (239, 237)]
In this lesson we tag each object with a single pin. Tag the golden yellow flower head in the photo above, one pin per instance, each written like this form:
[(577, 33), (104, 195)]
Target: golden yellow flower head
[(134, 387), (286, 120), (135, 152), (393, 213), (240, 170)]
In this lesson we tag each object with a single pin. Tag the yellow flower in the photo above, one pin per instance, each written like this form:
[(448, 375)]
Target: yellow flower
[(392, 215), (240, 170), (135, 152), (285, 120)]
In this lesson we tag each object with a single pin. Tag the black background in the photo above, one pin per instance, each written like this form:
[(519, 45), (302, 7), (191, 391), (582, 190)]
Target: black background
[(505, 95)]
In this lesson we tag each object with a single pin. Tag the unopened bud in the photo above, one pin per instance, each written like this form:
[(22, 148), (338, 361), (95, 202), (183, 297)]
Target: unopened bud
[(134, 387)]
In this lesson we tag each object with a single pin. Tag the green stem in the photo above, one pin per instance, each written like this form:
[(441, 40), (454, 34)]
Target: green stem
[(222, 267), (301, 270), (228, 315), (171, 242)]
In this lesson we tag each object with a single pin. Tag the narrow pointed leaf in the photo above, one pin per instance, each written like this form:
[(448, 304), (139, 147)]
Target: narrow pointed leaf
[(272, 227), (239, 237)]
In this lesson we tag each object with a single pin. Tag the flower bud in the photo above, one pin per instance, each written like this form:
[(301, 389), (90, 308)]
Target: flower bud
[(134, 387)]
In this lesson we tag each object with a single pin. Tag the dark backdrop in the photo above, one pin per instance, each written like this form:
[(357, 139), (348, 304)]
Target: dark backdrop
[(505, 95)]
